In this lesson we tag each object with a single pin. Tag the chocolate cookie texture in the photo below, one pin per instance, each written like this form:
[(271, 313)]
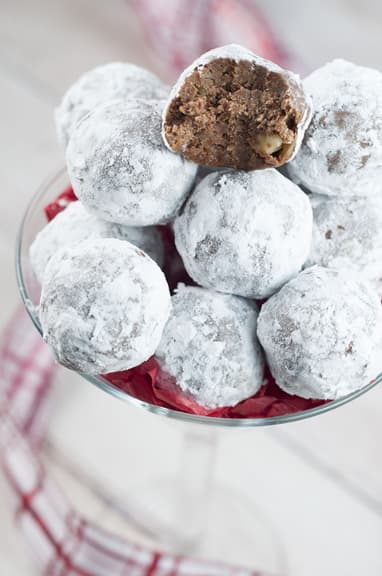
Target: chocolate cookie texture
[(233, 109), (104, 304), (244, 233), (116, 80), (210, 346), (75, 224), (121, 170), (322, 334), (347, 233), (341, 154)]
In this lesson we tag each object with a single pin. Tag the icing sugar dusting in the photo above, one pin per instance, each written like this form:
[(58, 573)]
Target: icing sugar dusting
[(342, 150), (322, 334), (101, 84), (210, 346), (76, 224), (245, 233), (120, 168), (347, 233), (104, 304)]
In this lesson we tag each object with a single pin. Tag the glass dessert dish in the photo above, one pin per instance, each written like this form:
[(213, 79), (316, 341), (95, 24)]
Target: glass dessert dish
[(34, 219), (187, 514)]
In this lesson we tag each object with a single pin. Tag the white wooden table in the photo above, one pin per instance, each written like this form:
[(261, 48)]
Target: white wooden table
[(330, 465)]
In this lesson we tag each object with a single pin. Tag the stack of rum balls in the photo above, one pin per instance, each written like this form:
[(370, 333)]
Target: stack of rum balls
[(287, 263)]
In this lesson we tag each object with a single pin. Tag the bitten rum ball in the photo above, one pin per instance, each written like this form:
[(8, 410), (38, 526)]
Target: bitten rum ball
[(233, 109)]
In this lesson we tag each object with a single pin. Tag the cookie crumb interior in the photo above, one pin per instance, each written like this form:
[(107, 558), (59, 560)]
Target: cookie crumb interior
[(234, 114)]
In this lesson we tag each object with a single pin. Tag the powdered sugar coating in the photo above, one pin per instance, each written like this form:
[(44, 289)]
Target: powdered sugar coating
[(104, 304), (210, 346), (239, 53), (347, 233), (322, 334), (342, 149), (245, 233), (101, 84), (75, 224), (120, 168)]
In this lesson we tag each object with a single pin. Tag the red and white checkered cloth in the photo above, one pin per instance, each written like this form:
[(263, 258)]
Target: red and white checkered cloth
[(180, 30), (65, 543)]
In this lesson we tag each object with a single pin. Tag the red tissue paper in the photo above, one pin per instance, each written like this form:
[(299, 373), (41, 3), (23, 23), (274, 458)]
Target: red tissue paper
[(149, 383), (60, 203)]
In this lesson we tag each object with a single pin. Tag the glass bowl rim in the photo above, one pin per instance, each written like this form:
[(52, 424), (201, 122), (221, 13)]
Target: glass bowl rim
[(160, 410)]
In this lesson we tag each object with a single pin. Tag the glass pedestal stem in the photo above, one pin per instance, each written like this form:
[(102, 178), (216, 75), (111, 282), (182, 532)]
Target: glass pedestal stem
[(195, 478)]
